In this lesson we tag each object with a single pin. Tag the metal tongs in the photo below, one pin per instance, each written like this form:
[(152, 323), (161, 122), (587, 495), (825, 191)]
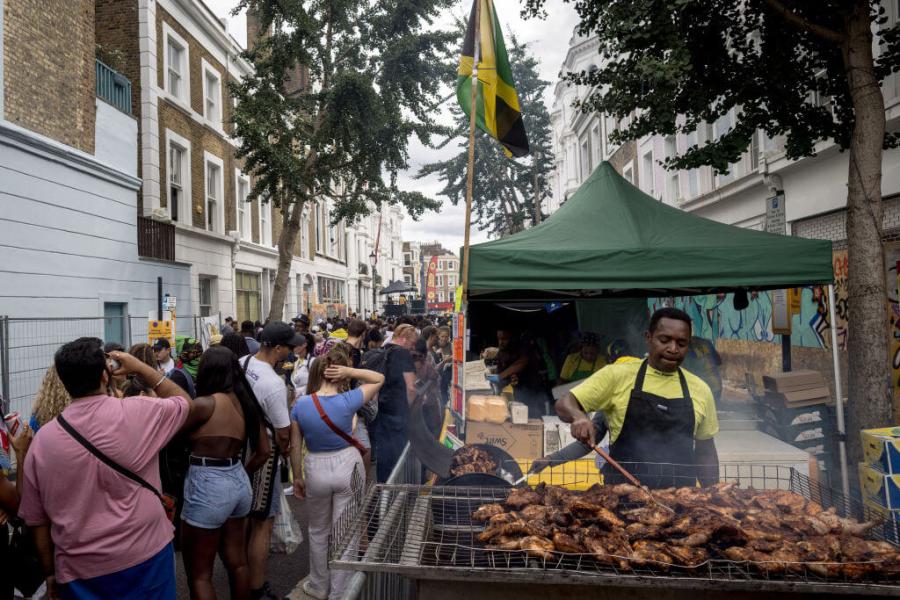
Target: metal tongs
[(631, 478)]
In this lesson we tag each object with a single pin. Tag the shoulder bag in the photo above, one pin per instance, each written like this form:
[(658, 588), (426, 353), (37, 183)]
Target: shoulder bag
[(363, 451), (168, 502)]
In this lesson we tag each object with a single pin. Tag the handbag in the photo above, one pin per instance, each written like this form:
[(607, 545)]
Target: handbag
[(363, 451), (168, 501), (25, 564), (286, 533)]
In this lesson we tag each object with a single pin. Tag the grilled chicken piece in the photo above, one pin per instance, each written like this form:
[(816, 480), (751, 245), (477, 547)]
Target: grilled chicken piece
[(534, 512), (596, 514), (789, 501), (505, 517), (639, 531), (521, 497), (656, 517), (538, 546), (841, 525), (556, 496), (608, 548), (762, 545), (566, 543), (486, 511), (688, 557), (505, 542), (652, 554), (693, 540), (603, 495), (514, 528)]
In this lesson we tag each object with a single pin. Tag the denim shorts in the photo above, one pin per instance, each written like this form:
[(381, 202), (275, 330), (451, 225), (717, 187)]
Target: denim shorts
[(212, 495)]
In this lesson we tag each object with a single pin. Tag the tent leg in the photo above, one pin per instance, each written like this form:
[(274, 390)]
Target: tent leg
[(842, 431)]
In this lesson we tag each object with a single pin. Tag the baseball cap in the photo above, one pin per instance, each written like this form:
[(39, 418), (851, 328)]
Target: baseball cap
[(278, 333), (302, 319), (161, 343)]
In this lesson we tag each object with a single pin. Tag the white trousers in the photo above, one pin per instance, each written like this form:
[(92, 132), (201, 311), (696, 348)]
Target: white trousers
[(334, 482)]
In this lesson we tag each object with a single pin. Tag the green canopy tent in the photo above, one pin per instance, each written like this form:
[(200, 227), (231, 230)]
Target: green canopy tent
[(610, 239)]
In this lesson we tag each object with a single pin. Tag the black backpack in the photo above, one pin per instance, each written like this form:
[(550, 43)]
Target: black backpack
[(378, 359)]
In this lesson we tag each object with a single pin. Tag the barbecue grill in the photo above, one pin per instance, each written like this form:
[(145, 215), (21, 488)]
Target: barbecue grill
[(427, 533)]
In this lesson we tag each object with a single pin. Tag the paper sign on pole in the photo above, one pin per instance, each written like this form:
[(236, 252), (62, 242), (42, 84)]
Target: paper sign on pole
[(160, 329), (781, 312)]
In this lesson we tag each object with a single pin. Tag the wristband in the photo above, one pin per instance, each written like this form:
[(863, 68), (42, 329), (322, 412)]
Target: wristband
[(161, 379)]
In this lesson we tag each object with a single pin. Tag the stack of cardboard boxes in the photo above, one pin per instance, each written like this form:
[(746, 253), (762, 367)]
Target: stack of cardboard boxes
[(499, 420), (796, 409), (879, 476)]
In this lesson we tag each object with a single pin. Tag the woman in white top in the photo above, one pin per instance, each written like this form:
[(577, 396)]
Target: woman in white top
[(300, 374)]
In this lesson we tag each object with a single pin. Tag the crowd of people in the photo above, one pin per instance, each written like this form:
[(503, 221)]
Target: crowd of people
[(130, 456)]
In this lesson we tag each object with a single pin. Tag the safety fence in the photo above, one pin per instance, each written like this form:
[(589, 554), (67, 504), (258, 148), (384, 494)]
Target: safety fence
[(27, 347), (381, 585)]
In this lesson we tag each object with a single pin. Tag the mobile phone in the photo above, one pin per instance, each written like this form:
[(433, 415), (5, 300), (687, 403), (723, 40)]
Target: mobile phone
[(113, 364)]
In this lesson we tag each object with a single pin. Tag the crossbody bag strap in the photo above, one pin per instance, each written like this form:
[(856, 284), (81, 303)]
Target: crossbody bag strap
[(342, 434), (105, 459)]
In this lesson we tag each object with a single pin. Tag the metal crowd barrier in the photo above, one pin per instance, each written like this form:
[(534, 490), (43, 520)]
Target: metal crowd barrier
[(381, 585)]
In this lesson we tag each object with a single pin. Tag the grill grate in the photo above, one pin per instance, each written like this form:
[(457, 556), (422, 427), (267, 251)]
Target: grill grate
[(428, 532)]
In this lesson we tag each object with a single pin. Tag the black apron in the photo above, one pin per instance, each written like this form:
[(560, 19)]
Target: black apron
[(656, 443)]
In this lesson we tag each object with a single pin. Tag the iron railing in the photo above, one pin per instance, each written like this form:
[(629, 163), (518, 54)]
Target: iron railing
[(381, 585), (156, 239), (113, 87)]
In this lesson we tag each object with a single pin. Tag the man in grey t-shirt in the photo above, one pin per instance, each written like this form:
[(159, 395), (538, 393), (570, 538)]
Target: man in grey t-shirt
[(277, 342)]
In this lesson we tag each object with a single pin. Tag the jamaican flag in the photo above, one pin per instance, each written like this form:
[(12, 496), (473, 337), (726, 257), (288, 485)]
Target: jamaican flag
[(497, 109)]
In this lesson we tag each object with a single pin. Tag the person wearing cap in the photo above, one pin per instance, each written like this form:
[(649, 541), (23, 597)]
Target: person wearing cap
[(277, 342), (163, 350), (301, 324), (584, 363)]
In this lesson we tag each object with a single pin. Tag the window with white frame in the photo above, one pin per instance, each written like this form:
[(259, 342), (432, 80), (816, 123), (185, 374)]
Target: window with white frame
[(178, 167), (176, 77), (646, 174), (596, 145), (320, 227), (243, 207), (628, 173), (207, 294), (212, 95), (672, 191), (722, 126), (214, 196), (585, 159), (265, 222), (440, 281)]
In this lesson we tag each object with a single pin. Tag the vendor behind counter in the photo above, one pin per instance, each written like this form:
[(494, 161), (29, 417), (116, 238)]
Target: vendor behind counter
[(518, 364)]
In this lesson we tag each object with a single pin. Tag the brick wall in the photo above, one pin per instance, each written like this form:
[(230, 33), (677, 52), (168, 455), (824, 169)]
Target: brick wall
[(833, 226), (116, 28), (203, 138), (48, 62), (624, 155)]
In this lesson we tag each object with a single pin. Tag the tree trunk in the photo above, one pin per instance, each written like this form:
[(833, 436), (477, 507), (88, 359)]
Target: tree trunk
[(289, 231), (869, 381)]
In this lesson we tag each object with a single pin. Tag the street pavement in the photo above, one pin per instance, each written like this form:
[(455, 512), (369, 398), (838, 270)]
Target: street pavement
[(285, 570)]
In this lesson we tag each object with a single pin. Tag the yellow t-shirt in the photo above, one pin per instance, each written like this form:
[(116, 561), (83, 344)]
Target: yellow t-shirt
[(574, 363), (609, 390)]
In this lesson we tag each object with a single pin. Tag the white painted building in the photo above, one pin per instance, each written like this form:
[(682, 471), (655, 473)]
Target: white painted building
[(815, 188)]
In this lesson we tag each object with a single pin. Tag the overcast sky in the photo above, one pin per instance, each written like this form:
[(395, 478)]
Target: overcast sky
[(548, 40)]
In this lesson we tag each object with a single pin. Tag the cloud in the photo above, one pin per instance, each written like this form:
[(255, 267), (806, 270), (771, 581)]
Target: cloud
[(549, 42)]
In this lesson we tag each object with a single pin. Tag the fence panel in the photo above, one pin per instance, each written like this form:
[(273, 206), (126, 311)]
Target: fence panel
[(29, 345)]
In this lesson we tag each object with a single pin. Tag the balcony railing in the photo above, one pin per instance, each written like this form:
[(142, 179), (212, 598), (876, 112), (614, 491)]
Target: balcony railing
[(156, 239), (113, 87)]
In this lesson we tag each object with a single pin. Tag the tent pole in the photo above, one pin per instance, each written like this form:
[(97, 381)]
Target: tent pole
[(470, 176), (842, 432)]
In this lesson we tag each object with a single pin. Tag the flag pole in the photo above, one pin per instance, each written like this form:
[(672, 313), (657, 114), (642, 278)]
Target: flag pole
[(470, 176)]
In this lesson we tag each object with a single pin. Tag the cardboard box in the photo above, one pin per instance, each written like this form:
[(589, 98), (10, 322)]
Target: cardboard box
[(793, 380), (789, 397), (887, 521), (518, 413), (520, 441), (881, 449), (878, 487)]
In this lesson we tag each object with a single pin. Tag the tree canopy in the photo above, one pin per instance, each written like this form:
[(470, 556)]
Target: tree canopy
[(372, 76), (677, 64), (503, 194)]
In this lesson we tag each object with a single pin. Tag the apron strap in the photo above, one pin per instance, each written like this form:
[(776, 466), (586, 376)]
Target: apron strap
[(684, 386), (642, 372)]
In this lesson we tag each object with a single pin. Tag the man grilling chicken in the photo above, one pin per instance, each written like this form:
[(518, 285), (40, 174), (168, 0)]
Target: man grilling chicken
[(662, 419)]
